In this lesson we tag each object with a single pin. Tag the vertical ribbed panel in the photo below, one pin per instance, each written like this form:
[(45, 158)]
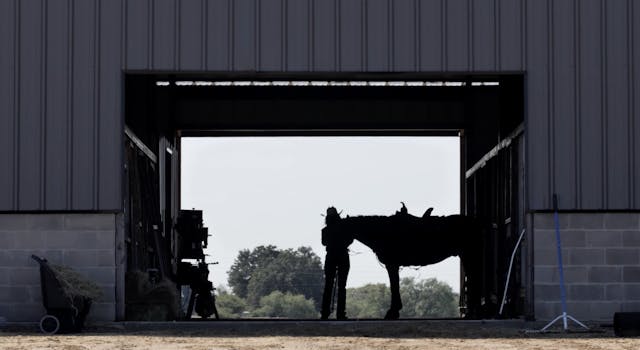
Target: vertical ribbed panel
[(271, 35), (219, 22), (110, 106), (456, 31), (538, 93), (83, 175), (164, 30), (191, 31), (617, 105), (404, 35), (61, 64), (244, 35), (510, 26), (56, 105), (484, 35), (431, 41), (635, 98), (8, 111), (30, 106), (137, 37), (590, 106), (325, 27), (378, 51), (563, 102), (298, 33), (350, 43)]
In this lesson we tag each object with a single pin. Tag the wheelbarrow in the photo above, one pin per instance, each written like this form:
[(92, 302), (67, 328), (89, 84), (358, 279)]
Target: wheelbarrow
[(66, 313)]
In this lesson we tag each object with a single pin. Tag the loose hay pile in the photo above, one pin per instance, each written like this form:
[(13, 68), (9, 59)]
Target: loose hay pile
[(147, 301), (74, 284)]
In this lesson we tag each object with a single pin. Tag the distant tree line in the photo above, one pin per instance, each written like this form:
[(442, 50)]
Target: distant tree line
[(287, 283), (427, 298)]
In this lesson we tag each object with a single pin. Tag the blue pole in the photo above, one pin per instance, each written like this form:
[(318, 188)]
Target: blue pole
[(563, 293)]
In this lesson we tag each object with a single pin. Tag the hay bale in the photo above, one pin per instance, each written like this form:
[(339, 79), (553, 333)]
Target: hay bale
[(148, 301)]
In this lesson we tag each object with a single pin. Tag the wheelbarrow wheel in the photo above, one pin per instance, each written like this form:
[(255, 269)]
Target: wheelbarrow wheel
[(49, 324)]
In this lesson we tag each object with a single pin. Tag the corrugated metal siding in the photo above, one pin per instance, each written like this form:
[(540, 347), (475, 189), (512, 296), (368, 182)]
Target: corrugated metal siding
[(62, 61), (60, 105), (7, 104)]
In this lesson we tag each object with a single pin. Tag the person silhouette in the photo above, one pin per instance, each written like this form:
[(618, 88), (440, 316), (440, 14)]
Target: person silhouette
[(336, 263)]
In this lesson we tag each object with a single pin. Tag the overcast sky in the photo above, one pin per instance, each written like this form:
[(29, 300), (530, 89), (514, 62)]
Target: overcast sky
[(259, 191)]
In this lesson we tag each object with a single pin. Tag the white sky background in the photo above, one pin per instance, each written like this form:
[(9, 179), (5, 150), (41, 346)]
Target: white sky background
[(273, 190)]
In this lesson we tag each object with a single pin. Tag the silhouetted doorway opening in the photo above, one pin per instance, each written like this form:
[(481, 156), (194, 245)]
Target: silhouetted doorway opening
[(485, 111), (275, 190)]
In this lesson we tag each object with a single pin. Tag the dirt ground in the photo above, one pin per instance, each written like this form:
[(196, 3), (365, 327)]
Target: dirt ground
[(316, 336)]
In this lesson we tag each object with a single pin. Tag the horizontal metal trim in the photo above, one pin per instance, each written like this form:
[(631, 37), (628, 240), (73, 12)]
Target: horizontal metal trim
[(327, 83), (319, 132)]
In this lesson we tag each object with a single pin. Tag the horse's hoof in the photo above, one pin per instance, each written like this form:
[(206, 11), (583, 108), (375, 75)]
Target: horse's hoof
[(392, 315)]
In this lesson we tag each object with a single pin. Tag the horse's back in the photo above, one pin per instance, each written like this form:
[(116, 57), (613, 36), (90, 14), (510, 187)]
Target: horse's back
[(429, 241)]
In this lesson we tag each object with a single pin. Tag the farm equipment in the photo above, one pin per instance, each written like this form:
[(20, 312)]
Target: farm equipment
[(67, 305), (192, 240)]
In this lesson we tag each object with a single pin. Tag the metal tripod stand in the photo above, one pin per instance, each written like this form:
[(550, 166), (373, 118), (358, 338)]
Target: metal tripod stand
[(563, 294)]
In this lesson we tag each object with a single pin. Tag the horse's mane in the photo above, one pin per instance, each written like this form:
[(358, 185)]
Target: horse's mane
[(366, 217)]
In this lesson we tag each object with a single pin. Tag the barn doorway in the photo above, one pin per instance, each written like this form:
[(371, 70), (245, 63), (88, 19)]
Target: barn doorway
[(261, 191), (486, 113)]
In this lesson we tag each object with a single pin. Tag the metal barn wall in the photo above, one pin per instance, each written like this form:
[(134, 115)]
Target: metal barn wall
[(62, 63)]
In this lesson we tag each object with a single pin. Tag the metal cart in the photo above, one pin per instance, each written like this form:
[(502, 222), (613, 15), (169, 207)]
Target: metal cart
[(65, 313)]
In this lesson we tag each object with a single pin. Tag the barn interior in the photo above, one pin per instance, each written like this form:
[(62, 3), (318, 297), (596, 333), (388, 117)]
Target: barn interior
[(486, 112)]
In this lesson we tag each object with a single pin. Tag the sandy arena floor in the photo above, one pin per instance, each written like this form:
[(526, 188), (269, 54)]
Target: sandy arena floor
[(337, 335)]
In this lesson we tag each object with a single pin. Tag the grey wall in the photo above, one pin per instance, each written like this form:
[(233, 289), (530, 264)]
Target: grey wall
[(84, 242), (601, 256), (61, 64)]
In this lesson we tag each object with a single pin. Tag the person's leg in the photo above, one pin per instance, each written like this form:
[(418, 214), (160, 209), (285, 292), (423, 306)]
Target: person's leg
[(343, 273), (327, 295)]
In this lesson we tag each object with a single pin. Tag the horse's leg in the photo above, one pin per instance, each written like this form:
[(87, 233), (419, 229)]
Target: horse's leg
[(396, 302)]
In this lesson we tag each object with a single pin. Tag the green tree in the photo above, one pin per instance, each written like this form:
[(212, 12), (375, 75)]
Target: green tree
[(266, 269), (293, 271), (368, 301), (230, 306), (428, 298), (278, 304), (245, 266)]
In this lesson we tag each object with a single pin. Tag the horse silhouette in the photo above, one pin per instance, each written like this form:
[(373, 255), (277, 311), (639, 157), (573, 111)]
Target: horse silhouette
[(406, 240)]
